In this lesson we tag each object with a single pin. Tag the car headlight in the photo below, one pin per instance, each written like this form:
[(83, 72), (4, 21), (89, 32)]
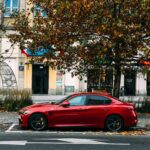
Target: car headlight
[(25, 112)]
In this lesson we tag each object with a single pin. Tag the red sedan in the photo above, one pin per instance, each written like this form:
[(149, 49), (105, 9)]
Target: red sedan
[(80, 110)]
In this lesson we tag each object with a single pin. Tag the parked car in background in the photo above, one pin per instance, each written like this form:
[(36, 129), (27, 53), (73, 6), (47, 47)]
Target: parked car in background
[(96, 110)]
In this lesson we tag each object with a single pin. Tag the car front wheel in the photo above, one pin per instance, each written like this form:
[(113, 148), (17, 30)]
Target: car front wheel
[(38, 122), (114, 123)]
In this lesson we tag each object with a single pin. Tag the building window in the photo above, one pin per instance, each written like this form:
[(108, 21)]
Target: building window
[(11, 7), (38, 11), (130, 83), (69, 89)]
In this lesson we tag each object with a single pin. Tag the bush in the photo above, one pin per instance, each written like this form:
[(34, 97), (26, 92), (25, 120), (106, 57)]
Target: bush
[(1, 104), (10, 104), (145, 106), (16, 99), (142, 106)]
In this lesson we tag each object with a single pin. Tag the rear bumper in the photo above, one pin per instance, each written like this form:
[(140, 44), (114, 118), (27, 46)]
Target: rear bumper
[(132, 119), (132, 122)]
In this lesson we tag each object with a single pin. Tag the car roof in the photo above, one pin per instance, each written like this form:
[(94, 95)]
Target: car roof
[(93, 93)]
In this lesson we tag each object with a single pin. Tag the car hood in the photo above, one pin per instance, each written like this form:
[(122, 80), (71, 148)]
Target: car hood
[(41, 106)]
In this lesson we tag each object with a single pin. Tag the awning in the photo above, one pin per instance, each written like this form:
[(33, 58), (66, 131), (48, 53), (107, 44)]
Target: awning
[(38, 52)]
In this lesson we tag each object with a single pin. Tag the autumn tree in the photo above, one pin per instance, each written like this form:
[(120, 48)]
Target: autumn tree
[(83, 34)]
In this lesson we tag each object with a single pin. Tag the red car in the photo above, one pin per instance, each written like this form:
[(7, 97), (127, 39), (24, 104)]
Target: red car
[(80, 110)]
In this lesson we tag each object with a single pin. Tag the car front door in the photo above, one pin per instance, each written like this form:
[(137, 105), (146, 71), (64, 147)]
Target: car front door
[(72, 115)]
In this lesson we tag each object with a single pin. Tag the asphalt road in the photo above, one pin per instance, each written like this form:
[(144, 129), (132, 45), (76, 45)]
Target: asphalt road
[(61, 141)]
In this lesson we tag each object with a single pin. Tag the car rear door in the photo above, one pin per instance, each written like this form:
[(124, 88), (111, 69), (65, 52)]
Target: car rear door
[(98, 107)]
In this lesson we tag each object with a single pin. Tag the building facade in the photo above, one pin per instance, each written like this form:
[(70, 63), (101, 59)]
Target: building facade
[(16, 72)]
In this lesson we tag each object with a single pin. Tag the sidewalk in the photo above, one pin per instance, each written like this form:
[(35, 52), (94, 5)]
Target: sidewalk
[(46, 98), (143, 120)]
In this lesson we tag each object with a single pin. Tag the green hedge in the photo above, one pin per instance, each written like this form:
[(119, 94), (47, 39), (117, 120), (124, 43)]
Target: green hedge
[(16, 99), (145, 108), (142, 106)]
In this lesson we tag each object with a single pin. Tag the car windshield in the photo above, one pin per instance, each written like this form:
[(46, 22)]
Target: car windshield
[(61, 100)]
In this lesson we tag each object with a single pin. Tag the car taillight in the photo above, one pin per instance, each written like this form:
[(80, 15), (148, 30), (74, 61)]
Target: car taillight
[(134, 108)]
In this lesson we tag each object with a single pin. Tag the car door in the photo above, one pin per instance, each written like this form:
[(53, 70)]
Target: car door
[(98, 107), (73, 115)]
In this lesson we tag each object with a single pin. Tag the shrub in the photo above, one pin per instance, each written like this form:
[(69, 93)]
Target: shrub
[(145, 106), (10, 104), (1, 104), (142, 106), (16, 99)]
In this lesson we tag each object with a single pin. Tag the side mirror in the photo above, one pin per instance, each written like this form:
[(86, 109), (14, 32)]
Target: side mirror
[(65, 104)]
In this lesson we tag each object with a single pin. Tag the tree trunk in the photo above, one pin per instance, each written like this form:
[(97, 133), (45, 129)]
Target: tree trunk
[(116, 89)]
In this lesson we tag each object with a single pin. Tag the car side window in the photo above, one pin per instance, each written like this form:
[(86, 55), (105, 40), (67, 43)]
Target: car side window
[(97, 100), (77, 101)]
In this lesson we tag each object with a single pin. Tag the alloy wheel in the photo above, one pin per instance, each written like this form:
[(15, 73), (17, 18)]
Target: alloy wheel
[(114, 123), (38, 122)]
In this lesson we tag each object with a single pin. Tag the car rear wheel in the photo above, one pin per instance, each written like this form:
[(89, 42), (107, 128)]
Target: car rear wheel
[(114, 123), (38, 122)]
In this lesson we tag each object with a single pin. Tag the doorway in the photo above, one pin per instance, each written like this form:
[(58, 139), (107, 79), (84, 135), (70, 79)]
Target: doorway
[(40, 78)]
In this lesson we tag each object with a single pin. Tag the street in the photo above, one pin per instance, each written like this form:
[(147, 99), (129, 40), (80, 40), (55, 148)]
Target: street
[(71, 141)]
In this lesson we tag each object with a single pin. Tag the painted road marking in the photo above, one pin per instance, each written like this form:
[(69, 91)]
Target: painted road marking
[(64, 141), (23, 143), (11, 127), (12, 130), (89, 141), (85, 141)]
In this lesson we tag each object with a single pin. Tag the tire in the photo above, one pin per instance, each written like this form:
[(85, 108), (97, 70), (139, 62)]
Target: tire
[(37, 122), (114, 123)]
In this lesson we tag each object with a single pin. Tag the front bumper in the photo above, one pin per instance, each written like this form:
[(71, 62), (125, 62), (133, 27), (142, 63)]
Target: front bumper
[(23, 120)]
